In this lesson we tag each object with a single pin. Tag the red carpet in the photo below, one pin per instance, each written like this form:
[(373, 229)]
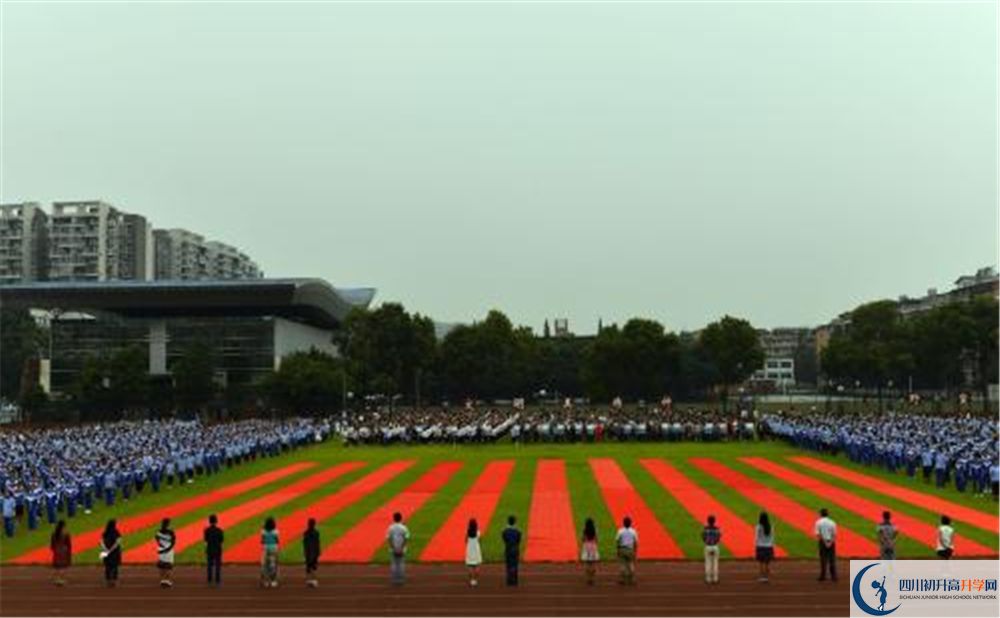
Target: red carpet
[(849, 544), (192, 533), (986, 521), (292, 526), (916, 529), (551, 534), (737, 535), (361, 542), (448, 543), (90, 540), (624, 501)]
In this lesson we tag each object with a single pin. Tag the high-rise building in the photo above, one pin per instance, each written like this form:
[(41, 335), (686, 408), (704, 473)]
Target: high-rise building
[(23, 243), (94, 241), (181, 254)]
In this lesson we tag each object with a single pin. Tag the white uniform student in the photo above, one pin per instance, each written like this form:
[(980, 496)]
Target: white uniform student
[(627, 541), (165, 541), (397, 537), (945, 538)]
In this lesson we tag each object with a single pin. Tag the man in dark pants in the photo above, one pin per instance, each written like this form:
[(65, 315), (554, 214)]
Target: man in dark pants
[(311, 549), (213, 550), (511, 549), (826, 536)]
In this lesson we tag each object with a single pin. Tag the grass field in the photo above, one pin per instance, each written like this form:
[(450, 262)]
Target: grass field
[(429, 483)]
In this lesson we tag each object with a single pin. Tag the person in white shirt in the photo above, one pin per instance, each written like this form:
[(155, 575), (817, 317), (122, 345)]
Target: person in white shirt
[(473, 552), (826, 536), (764, 546), (397, 537), (627, 541), (945, 538)]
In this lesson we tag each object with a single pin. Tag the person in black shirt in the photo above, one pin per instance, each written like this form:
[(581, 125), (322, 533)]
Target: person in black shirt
[(213, 550), (511, 549), (111, 552), (310, 547)]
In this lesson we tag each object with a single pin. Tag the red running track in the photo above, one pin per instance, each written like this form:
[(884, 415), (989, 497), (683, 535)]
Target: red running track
[(551, 534), (361, 542), (624, 501), (91, 539), (448, 543), (917, 530), (977, 518), (248, 550), (737, 535), (849, 544), (192, 533)]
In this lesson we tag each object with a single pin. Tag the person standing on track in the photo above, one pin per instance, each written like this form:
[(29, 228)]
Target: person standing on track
[(511, 550), (397, 536), (473, 552), (165, 541), (62, 552), (826, 537), (111, 552), (627, 541), (311, 549), (711, 535), (764, 546), (945, 538), (886, 533), (214, 538), (589, 553), (269, 557)]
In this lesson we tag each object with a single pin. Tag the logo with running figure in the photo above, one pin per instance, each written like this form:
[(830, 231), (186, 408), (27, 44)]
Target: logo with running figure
[(878, 594)]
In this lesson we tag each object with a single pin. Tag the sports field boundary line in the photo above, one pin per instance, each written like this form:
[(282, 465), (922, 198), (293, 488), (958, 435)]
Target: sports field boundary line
[(623, 500), (737, 534), (969, 515), (360, 543), (293, 525), (800, 517), (90, 540), (921, 532), (551, 535), (479, 502), (192, 533)]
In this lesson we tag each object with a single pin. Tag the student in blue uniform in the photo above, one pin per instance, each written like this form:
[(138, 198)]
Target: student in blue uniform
[(9, 513)]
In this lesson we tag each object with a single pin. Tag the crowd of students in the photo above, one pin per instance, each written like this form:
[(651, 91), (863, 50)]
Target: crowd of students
[(397, 538), (48, 472), (958, 450), (541, 424)]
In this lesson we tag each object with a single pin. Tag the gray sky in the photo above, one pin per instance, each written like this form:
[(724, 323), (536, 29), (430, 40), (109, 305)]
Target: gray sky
[(778, 161)]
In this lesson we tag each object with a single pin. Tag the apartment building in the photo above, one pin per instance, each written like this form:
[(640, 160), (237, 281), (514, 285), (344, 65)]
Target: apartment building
[(182, 254), (23, 243)]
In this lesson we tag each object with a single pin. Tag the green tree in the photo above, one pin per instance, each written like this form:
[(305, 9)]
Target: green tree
[(982, 312), (640, 360), (21, 340), (193, 373), (306, 383), (732, 347)]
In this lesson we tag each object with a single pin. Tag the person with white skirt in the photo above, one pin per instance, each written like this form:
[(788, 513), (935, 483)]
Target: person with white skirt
[(473, 552)]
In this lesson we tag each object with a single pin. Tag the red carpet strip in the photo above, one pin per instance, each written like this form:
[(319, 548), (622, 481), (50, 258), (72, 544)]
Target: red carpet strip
[(849, 544), (292, 526), (737, 535), (551, 534), (360, 543), (90, 540), (479, 502), (624, 501), (192, 533), (918, 530), (986, 521)]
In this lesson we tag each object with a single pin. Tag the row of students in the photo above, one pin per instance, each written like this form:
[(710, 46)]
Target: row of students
[(398, 536)]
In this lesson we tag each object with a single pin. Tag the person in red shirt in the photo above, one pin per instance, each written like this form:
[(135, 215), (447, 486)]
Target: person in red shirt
[(62, 552)]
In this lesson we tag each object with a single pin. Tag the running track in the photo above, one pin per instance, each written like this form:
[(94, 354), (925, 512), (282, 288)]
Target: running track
[(448, 544), (624, 501), (979, 519), (248, 550), (91, 539), (192, 533), (848, 543), (551, 535), (737, 535), (920, 531), (361, 542)]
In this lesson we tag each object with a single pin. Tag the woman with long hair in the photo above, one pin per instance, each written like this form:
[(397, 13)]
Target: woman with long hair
[(111, 552), (165, 540), (589, 554), (269, 556), (62, 552), (764, 545), (473, 551)]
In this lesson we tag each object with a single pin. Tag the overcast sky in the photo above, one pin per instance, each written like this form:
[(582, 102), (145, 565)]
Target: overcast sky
[(778, 161)]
